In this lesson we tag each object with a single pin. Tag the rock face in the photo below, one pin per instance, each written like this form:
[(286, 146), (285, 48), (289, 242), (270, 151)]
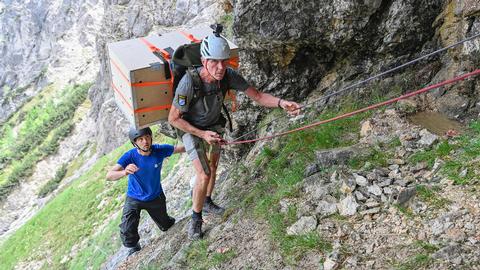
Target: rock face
[(294, 53), (45, 42), (297, 48)]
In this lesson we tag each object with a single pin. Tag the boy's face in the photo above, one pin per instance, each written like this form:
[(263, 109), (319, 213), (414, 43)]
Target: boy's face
[(144, 142)]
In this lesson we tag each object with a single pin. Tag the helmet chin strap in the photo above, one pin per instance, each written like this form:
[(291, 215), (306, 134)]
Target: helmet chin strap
[(138, 147)]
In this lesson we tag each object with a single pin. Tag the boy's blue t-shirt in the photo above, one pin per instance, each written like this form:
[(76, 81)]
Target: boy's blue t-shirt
[(144, 185)]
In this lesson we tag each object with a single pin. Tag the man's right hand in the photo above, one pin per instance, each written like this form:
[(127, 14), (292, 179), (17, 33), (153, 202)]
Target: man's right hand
[(131, 169), (211, 137)]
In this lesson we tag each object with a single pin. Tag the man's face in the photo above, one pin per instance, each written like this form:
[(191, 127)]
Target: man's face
[(144, 142), (216, 68)]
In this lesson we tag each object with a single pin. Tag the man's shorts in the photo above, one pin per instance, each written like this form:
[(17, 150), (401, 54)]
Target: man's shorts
[(199, 148)]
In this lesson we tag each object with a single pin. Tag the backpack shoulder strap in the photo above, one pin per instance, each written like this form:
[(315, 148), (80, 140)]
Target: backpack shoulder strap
[(197, 84)]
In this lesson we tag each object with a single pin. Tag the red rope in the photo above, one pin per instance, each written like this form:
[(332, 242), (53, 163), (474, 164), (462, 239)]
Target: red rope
[(371, 107)]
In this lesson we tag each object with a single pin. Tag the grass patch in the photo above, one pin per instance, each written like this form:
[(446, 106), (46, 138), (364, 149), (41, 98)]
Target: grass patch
[(377, 158), (466, 151), (265, 156), (75, 164), (294, 246), (281, 169), (24, 167), (441, 150), (99, 248), (422, 259), (198, 256), (82, 217), (67, 220), (431, 196), (53, 183), (404, 210), (467, 157)]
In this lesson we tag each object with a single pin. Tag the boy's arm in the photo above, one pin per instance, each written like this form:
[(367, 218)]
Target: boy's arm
[(178, 149), (118, 172), (115, 173)]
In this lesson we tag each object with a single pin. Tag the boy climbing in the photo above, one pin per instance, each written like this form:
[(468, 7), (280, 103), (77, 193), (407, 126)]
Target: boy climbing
[(142, 165)]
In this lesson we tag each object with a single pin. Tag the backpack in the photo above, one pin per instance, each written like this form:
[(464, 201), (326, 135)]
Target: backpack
[(187, 58)]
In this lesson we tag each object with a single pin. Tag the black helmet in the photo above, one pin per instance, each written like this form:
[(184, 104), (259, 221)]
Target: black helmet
[(134, 133)]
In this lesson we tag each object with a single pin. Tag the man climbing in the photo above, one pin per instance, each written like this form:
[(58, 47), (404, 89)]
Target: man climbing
[(143, 166), (201, 124)]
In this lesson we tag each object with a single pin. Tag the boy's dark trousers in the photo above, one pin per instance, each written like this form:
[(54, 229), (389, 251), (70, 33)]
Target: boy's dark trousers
[(157, 209)]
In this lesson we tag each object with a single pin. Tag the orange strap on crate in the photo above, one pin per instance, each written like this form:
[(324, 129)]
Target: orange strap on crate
[(141, 84), (165, 55), (142, 110), (154, 108), (153, 48), (122, 96), (190, 37), (144, 84), (233, 62)]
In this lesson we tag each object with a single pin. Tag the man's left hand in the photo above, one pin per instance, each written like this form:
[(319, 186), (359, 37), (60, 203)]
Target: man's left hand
[(291, 107)]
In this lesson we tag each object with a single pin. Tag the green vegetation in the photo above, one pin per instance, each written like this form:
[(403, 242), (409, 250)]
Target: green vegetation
[(422, 260), (227, 21), (53, 183), (282, 168), (40, 120), (377, 158), (404, 210), (99, 247), (199, 257), (431, 196), (69, 219), (441, 150), (467, 159), (83, 217), (467, 148), (37, 135)]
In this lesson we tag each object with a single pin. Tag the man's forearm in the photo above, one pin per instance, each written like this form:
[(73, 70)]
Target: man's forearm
[(186, 127), (268, 100), (261, 98)]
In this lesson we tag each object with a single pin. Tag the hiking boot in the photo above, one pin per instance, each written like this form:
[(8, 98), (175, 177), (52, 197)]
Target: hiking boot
[(170, 224), (211, 207), (134, 249), (195, 229)]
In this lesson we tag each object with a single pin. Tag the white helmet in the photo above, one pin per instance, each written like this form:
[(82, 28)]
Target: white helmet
[(215, 47)]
